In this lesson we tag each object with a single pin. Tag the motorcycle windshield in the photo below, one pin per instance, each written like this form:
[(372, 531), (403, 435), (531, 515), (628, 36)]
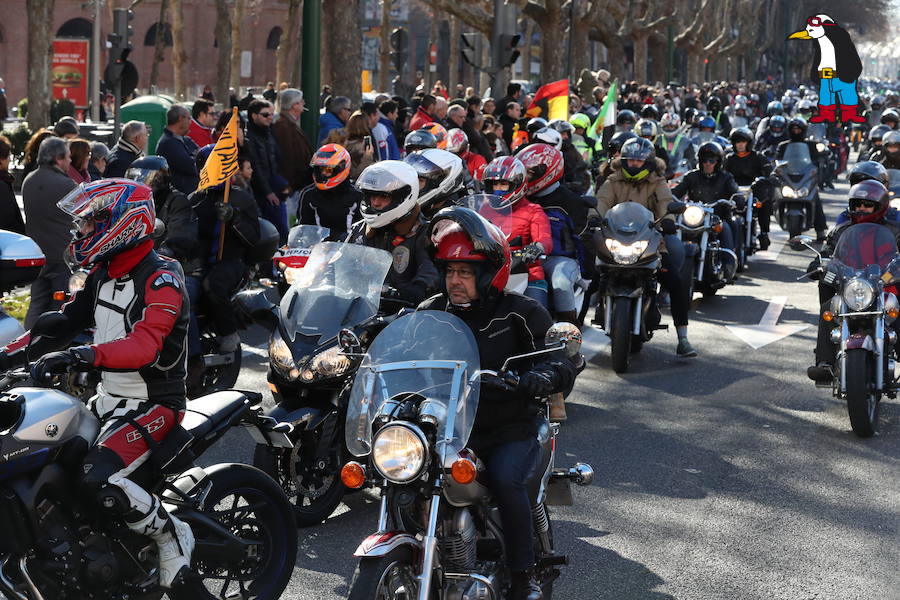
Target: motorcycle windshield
[(340, 286), (306, 236), (705, 136), (796, 158), (492, 208), (866, 244), (817, 131), (430, 355), (628, 218)]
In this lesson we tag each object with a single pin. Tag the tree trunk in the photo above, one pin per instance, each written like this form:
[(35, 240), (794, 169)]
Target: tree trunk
[(639, 43), (159, 46), (287, 44), (384, 48), (328, 21), (484, 80), (347, 63), (455, 31), (40, 51), (223, 59), (431, 76), (236, 45), (179, 56), (527, 50), (657, 51), (615, 56), (552, 47), (581, 47)]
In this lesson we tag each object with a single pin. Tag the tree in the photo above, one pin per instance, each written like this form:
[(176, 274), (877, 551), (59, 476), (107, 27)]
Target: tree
[(384, 47), (223, 58), (40, 51), (346, 64), (239, 6), (288, 43), (159, 46), (179, 56), (639, 29)]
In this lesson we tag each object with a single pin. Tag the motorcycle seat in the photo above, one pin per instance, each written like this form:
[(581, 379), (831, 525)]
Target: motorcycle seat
[(206, 412)]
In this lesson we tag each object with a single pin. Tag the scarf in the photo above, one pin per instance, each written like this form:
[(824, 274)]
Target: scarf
[(129, 147)]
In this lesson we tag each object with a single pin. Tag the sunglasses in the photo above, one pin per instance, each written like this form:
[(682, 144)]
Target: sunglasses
[(266, 115), (856, 203), (710, 161)]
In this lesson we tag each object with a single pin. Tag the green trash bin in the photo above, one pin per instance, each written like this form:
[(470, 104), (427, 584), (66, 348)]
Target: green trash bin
[(152, 111)]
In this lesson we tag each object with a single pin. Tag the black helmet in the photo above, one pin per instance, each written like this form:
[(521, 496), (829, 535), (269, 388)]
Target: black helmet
[(890, 116), (774, 108), (711, 150), (870, 193), (562, 126), (638, 149), (618, 140), (877, 102), (877, 133), (742, 134), (868, 169), (534, 125), (626, 117), (794, 123), (713, 104), (152, 171), (419, 139), (891, 138), (689, 115), (650, 112), (777, 123)]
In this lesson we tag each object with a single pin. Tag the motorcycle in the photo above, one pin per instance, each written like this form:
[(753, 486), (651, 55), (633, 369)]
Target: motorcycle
[(61, 544), (338, 288), (894, 187), (293, 256), (708, 267), (796, 189), (864, 271), (627, 246), (21, 261), (411, 411)]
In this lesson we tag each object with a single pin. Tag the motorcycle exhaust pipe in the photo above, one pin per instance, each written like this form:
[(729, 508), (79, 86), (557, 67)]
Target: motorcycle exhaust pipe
[(6, 585), (581, 474)]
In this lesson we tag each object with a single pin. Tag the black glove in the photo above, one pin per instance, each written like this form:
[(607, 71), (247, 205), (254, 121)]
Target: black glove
[(54, 363), (535, 383), (499, 384), (225, 212), (813, 269), (531, 252), (668, 227)]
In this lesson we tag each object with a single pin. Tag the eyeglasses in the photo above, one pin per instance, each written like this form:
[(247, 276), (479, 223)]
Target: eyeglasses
[(710, 161), (461, 273), (265, 115), (817, 22)]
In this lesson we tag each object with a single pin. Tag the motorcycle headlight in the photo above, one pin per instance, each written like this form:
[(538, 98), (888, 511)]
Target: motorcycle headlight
[(788, 192), (820, 147), (330, 363), (692, 216), (399, 452), (281, 357), (802, 192), (626, 254), (76, 281), (858, 294)]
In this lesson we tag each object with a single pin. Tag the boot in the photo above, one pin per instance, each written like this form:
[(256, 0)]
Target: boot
[(851, 113), (820, 372), (523, 586), (557, 408), (763, 241), (826, 114), (821, 236), (174, 539)]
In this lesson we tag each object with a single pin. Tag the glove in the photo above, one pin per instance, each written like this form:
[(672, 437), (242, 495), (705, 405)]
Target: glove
[(813, 269), (55, 363), (668, 227), (225, 212), (535, 383), (495, 383), (532, 252)]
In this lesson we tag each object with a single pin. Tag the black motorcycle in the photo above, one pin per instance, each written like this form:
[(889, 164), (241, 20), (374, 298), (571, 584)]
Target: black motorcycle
[(796, 190), (708, 266)]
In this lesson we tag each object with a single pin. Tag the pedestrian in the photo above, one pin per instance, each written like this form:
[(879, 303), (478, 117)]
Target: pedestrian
[(269, 187), (488, 106), (513, 94), (359, 144), (472, 126), (379, 132), (208, 94), (440, 110), (232, 98), (30, 156), (80, 151), (4, 110), (246, 100), (131, 146), (269, 93), (10, 215), (293, 145), (99, 153), (337, 111), (179, 150), (203, 117), (47, 225), (424, 114), (67, 128), (509, 119), (388, 111), (325, 95)]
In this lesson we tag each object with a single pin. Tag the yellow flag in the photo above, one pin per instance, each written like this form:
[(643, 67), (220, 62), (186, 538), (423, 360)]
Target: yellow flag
[(222, 162)]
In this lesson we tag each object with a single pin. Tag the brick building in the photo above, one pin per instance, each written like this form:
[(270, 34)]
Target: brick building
[(261, 31)]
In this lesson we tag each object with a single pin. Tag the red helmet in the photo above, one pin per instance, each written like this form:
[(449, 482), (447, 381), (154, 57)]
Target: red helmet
[(510, 170), (439, 132), (461, 235), (544, 165), (330, 166), (868, 193)]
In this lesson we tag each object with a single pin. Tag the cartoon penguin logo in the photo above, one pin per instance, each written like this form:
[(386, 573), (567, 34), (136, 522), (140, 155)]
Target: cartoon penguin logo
[(837, 67)]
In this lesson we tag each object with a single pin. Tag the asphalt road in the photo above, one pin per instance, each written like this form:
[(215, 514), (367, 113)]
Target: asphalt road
[(726, 476)]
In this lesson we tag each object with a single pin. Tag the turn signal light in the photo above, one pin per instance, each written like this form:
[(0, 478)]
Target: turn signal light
[(463, 471), (757, 204), (353, 475), (59, 296), (893, 312), (828, 316), (717, 228)]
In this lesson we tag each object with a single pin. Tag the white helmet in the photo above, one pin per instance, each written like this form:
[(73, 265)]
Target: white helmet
[(548, 136), (670, 124), (393, 178), (457, 142), (440, 173)]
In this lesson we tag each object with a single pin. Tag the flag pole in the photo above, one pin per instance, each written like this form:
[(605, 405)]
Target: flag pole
[(222, 229)]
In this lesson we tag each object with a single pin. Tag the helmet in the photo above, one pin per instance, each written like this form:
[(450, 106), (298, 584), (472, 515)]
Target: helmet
[(618, 140), (439, 132), (870, 193), (392, 178), (742, 106), (419, 140), (544, 165), (562, 126), (650, 112), (878, 132), (868, 169), (774, 108), (457, 141), (711, 150), (742, 134), (440, 175), (638, 149), (152, 171), (534, 125), (548, 136), (460, 234), (877, 102), (109, 216), (777, 123), (891, 138), (794, 123), (670, 125), (626, 117), (740, 99), (580, 120), (713, 104), (330, 166), (753, 101), (510, 170), (707, 122), (690, 114), (646, 128), (891, 118)]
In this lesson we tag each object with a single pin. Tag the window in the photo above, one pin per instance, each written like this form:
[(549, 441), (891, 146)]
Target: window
[(150, 38), (274, 39), (76, 28)]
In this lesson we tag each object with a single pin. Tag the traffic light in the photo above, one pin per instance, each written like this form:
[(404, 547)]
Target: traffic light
[(508, 51), (469, 48), (122, 32), (119, 71), (400, 48)]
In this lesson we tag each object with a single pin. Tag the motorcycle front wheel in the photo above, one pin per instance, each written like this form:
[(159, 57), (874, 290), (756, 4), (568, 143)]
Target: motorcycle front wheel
[(388, 577), (620, 333), (862, 399), (795, 228)]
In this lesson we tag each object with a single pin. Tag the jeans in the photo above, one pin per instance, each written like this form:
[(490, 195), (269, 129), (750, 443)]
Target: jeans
[(278, 216), (670, 278), (194, 286), (537, 290), (509, 467), (835, 91), (562, 274)]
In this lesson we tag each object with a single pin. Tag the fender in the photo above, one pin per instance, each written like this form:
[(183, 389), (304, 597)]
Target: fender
[(858, 340), (305, 415), (379, 544)]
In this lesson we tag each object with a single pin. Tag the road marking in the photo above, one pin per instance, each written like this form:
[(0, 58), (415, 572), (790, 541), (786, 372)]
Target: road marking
[(593, 341), (253, 351), (768, 330), (777, 241)]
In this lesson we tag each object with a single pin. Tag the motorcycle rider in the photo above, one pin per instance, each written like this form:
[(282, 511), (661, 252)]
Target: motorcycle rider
[(889, 154), (877, 107), (714, 110), (137, 301), (474, 261), (577, 172), (773, 135), (873, 145), (674, 140), (773, 108), (638, 177), (614, 149), (420, 139), (863, 171), (797, 133), (441, 179), (458, 144), (891, 118), (584, 143), (625, 120), (649, 130), (869, 202), (708, 125), (331, 200), (747, 167), (392, 221)]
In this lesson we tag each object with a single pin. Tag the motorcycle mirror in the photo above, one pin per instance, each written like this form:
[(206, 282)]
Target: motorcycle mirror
[(159, 229), (803, 240), (567, 334), (255, 306), (349, 341), (676, 207), (740, 201)]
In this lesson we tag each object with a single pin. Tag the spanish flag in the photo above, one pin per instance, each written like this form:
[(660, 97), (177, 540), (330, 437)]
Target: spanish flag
[(551, 101), (222, 162)]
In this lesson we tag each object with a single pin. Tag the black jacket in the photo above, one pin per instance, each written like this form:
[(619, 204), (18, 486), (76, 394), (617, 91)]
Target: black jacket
[(887, 161), (179, 152), (508, 325), (576, 172), (180, 240), (337, 209), (701, 188), (263, 149), (746, 169), (242, 232), (767, 140), (118, 161), (10, 215)]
